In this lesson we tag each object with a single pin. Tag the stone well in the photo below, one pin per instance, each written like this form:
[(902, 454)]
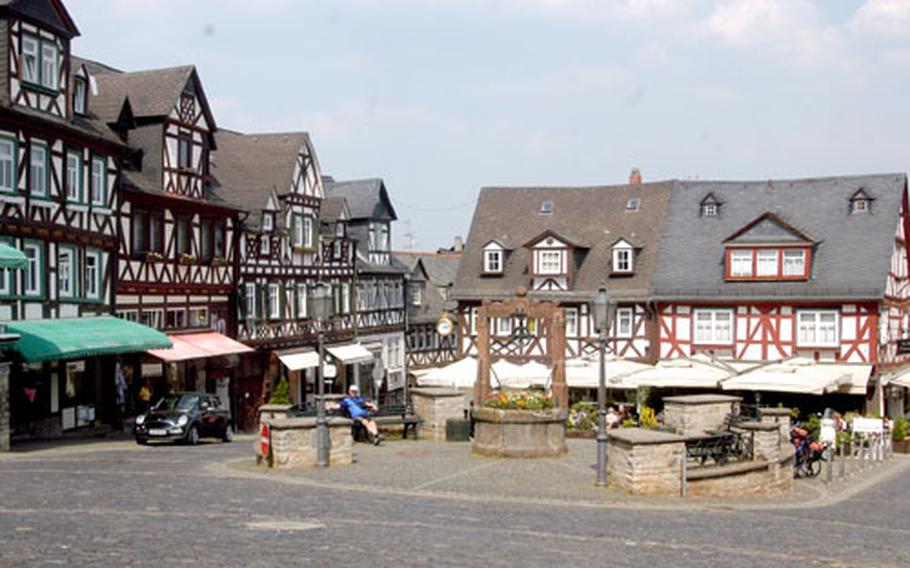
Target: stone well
[(434, 406), (293, 442), (693, 415), (519, 433)]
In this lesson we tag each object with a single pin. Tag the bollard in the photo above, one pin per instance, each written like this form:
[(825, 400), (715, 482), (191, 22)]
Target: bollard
[(829, 474), (683, 474), (842, 465)]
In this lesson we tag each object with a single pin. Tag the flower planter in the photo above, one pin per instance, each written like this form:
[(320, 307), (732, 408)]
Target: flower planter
[(519, 433), (902, 447)]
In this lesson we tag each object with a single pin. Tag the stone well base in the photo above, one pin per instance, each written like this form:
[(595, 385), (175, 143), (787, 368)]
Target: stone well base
[(519, 433), (294, 442)]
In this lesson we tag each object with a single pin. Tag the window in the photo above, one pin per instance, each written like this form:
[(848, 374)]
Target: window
[(249, 296), (93, 275), (184, 152), (218, 239), (741, 263), (339, 230), (80, 89), (371, 237), (38, 171), (504, 326), (184, 232), (766, 263), (274, 302), (297, 230), (624, 320), (73, 177), (301, 301), (268, 221), (29, 59), (206, 230), (384, 238), (308, 232), (49, 65), (32, 275), (550, 262), (860, 205), (492, 261), (345, 298), (99, 169), (264, 245), (571, 322), (289, 300), (414, 289), (709, 210), (633, 204), (817, 328), (546, 208), (794, 263), (7, 165), (622, 259), (714, 327), (66, 267), (147, 231)]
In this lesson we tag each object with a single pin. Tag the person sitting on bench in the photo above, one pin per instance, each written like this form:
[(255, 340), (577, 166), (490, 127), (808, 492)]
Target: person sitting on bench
[(358, 409)]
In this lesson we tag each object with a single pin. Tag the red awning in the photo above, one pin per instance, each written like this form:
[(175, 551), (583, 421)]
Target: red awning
[(199, 346)]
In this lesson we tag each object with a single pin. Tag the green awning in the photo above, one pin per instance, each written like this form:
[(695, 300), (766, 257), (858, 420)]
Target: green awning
[(11, 257), (75, 338)]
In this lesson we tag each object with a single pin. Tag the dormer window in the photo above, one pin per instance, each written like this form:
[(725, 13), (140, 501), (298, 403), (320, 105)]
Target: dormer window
[(623, 257), (40, 62), (768, 248), (492, 261), (860, 202), (268, 222), (709, 210), (710, 206), (550, 262), (80, 92), (546, 207), (633, 204)]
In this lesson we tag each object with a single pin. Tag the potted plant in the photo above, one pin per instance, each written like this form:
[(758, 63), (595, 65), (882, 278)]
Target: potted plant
[(900, 435), (187, 258), (153, 256)]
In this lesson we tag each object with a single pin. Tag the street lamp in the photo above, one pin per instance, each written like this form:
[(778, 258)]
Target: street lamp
[(604, 309), (321, 304)]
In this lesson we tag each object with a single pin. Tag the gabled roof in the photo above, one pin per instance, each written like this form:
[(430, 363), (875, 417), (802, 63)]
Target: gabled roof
[(852, 253), (334, 209), (367, 198), (711, 199), (595, 216), (769, 228), (861, 193), (50, 13), (248, 168), (439, 271), (561, 237)]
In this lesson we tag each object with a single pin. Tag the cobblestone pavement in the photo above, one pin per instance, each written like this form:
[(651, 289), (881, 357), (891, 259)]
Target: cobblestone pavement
[(415, 504)]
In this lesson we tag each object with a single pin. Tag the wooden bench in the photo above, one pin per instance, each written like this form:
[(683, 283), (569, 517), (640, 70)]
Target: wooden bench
[(390, 415)]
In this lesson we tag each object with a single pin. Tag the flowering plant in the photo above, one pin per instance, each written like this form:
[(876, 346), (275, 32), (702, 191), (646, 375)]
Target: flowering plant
[(519, 401)]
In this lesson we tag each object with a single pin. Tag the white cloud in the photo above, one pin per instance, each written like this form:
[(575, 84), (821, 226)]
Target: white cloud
[(891, 17)]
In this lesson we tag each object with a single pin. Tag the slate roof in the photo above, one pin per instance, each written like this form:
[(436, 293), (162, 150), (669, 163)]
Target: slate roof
[(594, 216), (247, 168), (851, 259), (367, 198), (52, 13), (331, 209), (152, 93), (438, 271)]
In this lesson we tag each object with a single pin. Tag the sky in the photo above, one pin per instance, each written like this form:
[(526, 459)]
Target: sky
[(442, 97)]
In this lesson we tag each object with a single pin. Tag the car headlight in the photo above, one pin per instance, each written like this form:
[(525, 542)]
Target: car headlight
[(140, 420), (182, 420)]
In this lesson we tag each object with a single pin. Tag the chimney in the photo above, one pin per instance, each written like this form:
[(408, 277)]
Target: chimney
[(459, 245), (635, 177)]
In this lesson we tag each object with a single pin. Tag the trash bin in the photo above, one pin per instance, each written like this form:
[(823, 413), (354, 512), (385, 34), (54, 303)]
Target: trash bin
[(458, 430)]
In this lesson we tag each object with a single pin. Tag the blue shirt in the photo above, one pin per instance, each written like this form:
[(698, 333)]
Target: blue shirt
[(354, 406)]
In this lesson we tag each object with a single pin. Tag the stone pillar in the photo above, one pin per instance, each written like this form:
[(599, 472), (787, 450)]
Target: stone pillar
[(767, 440), (779, 416), (645, 462), (4, 407), (693, 415), (294, 442), (434, 406), (267, 414)]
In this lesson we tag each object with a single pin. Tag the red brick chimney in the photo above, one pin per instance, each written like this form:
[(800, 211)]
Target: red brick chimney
[(635, 177)]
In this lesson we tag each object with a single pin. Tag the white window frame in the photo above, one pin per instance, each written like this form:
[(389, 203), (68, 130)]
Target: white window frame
[(807, 320), (249, 294), (737, 256), (620, 264), (80, 94), (66, 272), (274, 301), (492, 261), (265, 247), (414, 293), (31, 48), (93, 281), (767, 263), (546, 257), (268, 221), (73, 177), (34, 271), (308, 233), (801, 264), (99, 179), (297, 230), (385, 237), (345, 298), (713, 336), (571, 322), (302, 299), (50, 65), (8, 165), (625, 320), (38, 148), (504, 326), (709, 210)]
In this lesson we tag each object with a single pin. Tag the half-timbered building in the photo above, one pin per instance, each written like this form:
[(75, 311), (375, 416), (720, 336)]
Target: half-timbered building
[(430, 341), (59, 204), (177, 246), (562, 244), (768, 270), (378, 293), (283, 253)]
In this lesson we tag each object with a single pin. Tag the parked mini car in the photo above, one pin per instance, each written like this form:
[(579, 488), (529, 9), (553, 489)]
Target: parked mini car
[(185, 417)]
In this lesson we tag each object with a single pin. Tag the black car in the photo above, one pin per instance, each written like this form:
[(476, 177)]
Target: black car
[(185, 417)]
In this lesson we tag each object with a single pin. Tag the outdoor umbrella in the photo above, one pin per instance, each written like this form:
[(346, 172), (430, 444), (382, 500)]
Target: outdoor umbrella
[(11, 257)]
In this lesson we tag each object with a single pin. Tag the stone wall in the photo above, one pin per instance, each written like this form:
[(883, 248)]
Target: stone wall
[(4, 407), (519, 433), (645, 462), (693, 415), (779, 416), (294, 442), (756, 478), (434, 406)]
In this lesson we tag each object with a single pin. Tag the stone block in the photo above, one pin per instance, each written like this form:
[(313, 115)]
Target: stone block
[(693, 415), (519, 433), (293, 442), (434, 406), (645, 462)]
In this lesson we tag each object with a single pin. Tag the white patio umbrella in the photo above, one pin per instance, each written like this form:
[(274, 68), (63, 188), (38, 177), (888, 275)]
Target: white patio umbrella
[(460, 375), (510, 375), (584, 372), (803, 375), (698, 371)]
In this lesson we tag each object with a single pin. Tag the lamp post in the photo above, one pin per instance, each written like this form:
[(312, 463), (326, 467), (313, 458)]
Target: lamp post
[(603, 310), (321, 303)]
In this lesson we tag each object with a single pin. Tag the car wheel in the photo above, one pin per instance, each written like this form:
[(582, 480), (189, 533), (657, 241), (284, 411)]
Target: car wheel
[(192, 437), (228, 434)]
